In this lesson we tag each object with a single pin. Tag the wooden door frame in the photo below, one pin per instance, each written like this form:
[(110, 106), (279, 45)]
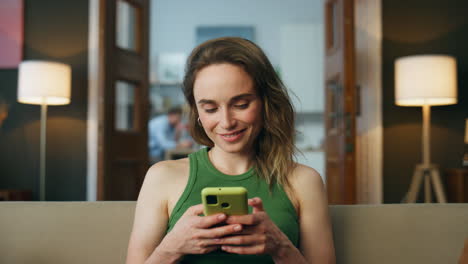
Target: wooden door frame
[(94, 71), (339, 85), (369, 128), (100, 122), (369, 131)]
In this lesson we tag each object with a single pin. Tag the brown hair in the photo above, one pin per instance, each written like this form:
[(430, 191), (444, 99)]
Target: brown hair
[(175, 110), (274, 147)]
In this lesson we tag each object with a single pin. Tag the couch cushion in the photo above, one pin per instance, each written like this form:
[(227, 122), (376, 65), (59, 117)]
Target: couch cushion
[(98, 232), (413, 233), (65, 232)]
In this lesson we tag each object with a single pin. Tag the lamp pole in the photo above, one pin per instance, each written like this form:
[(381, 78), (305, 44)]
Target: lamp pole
[(42, 165), (426, 151), (426, 136)]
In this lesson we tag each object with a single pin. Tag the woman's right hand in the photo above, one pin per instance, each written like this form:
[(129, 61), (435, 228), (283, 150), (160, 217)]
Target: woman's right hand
[(194, 234)]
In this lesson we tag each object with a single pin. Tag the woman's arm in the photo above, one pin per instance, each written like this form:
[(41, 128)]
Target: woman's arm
[(151, 217), (316, 238)]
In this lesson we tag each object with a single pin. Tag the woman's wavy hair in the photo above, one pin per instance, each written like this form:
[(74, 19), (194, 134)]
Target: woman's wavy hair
[(274, 147)]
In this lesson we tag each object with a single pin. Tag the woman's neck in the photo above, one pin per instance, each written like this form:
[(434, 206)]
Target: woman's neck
[(230, 163)]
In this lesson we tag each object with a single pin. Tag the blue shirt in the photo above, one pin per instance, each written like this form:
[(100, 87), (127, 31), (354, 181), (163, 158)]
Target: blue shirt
[(161, 136)]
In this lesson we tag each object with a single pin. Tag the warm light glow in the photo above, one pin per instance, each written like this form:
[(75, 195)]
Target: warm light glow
[(425, 80), (44, 82), (466, 131)]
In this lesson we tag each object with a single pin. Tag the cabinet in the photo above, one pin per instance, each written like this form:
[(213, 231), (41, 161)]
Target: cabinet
[(301, 65), (457, 185), (15, 195)]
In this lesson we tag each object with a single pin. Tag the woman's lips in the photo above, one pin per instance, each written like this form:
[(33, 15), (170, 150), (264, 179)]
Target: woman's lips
[(231, 137)]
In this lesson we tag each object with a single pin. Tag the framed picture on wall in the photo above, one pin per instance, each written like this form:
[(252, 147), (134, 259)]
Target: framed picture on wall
[(11, 33), (204, 33)]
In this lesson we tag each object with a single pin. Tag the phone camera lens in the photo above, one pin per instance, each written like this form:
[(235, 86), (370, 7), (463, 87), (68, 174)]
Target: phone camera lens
[(225, 205), (211, 199)]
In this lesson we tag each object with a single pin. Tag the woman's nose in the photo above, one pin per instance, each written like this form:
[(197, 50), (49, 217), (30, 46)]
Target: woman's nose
[(227, 120)]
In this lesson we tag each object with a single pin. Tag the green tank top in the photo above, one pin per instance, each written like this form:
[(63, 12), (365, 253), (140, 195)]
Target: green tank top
[(276, 203)]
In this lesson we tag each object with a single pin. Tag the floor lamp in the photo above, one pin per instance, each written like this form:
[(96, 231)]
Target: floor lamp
[(426, 80), (43, 83)]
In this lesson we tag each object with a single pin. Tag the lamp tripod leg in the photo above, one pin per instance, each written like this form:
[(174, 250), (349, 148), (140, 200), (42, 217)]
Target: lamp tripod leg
[(415, 184), (427, 188), (439, 190)]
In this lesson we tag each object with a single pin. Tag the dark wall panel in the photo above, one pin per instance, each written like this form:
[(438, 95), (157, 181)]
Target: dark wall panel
[(422, 27), (54, 30)]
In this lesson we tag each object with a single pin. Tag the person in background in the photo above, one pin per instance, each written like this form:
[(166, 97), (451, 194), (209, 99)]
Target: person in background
[(166, 132)]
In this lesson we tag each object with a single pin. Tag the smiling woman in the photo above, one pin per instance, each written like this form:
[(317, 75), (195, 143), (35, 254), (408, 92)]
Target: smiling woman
[(240, 109)]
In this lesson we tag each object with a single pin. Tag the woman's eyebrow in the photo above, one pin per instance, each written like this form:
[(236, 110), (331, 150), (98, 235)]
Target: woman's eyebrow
[(242, 96), (206, 101), (235, 98)]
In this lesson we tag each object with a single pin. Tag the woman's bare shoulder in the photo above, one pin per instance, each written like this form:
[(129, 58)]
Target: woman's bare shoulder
[(302, 174), (168, 168), (305, 182), (168, 172)]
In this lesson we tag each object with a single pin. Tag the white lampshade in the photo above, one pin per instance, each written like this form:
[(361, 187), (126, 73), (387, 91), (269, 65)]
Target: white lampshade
[(425, 80), (44, 82)]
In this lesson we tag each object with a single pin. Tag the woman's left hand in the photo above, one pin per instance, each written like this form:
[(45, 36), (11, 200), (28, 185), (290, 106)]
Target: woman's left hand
[(259, 234)]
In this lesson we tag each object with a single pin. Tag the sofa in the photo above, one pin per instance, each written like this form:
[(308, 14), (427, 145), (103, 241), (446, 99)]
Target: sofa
[(98, 232)]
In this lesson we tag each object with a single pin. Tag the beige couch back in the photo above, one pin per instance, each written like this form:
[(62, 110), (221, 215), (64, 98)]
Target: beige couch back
[(98, 232)]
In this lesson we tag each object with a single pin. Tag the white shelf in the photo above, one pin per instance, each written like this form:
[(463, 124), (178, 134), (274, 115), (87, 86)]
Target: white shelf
[(166, 83)]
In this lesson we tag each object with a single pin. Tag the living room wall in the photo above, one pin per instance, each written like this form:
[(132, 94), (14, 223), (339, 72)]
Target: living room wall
[(58, 30), (54, 30), (422, 27)]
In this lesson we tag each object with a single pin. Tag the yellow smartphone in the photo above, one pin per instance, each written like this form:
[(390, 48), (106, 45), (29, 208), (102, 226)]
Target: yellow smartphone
[(228, 200)]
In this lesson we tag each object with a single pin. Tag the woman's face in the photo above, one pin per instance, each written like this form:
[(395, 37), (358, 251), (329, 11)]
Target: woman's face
[(229, 107)]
